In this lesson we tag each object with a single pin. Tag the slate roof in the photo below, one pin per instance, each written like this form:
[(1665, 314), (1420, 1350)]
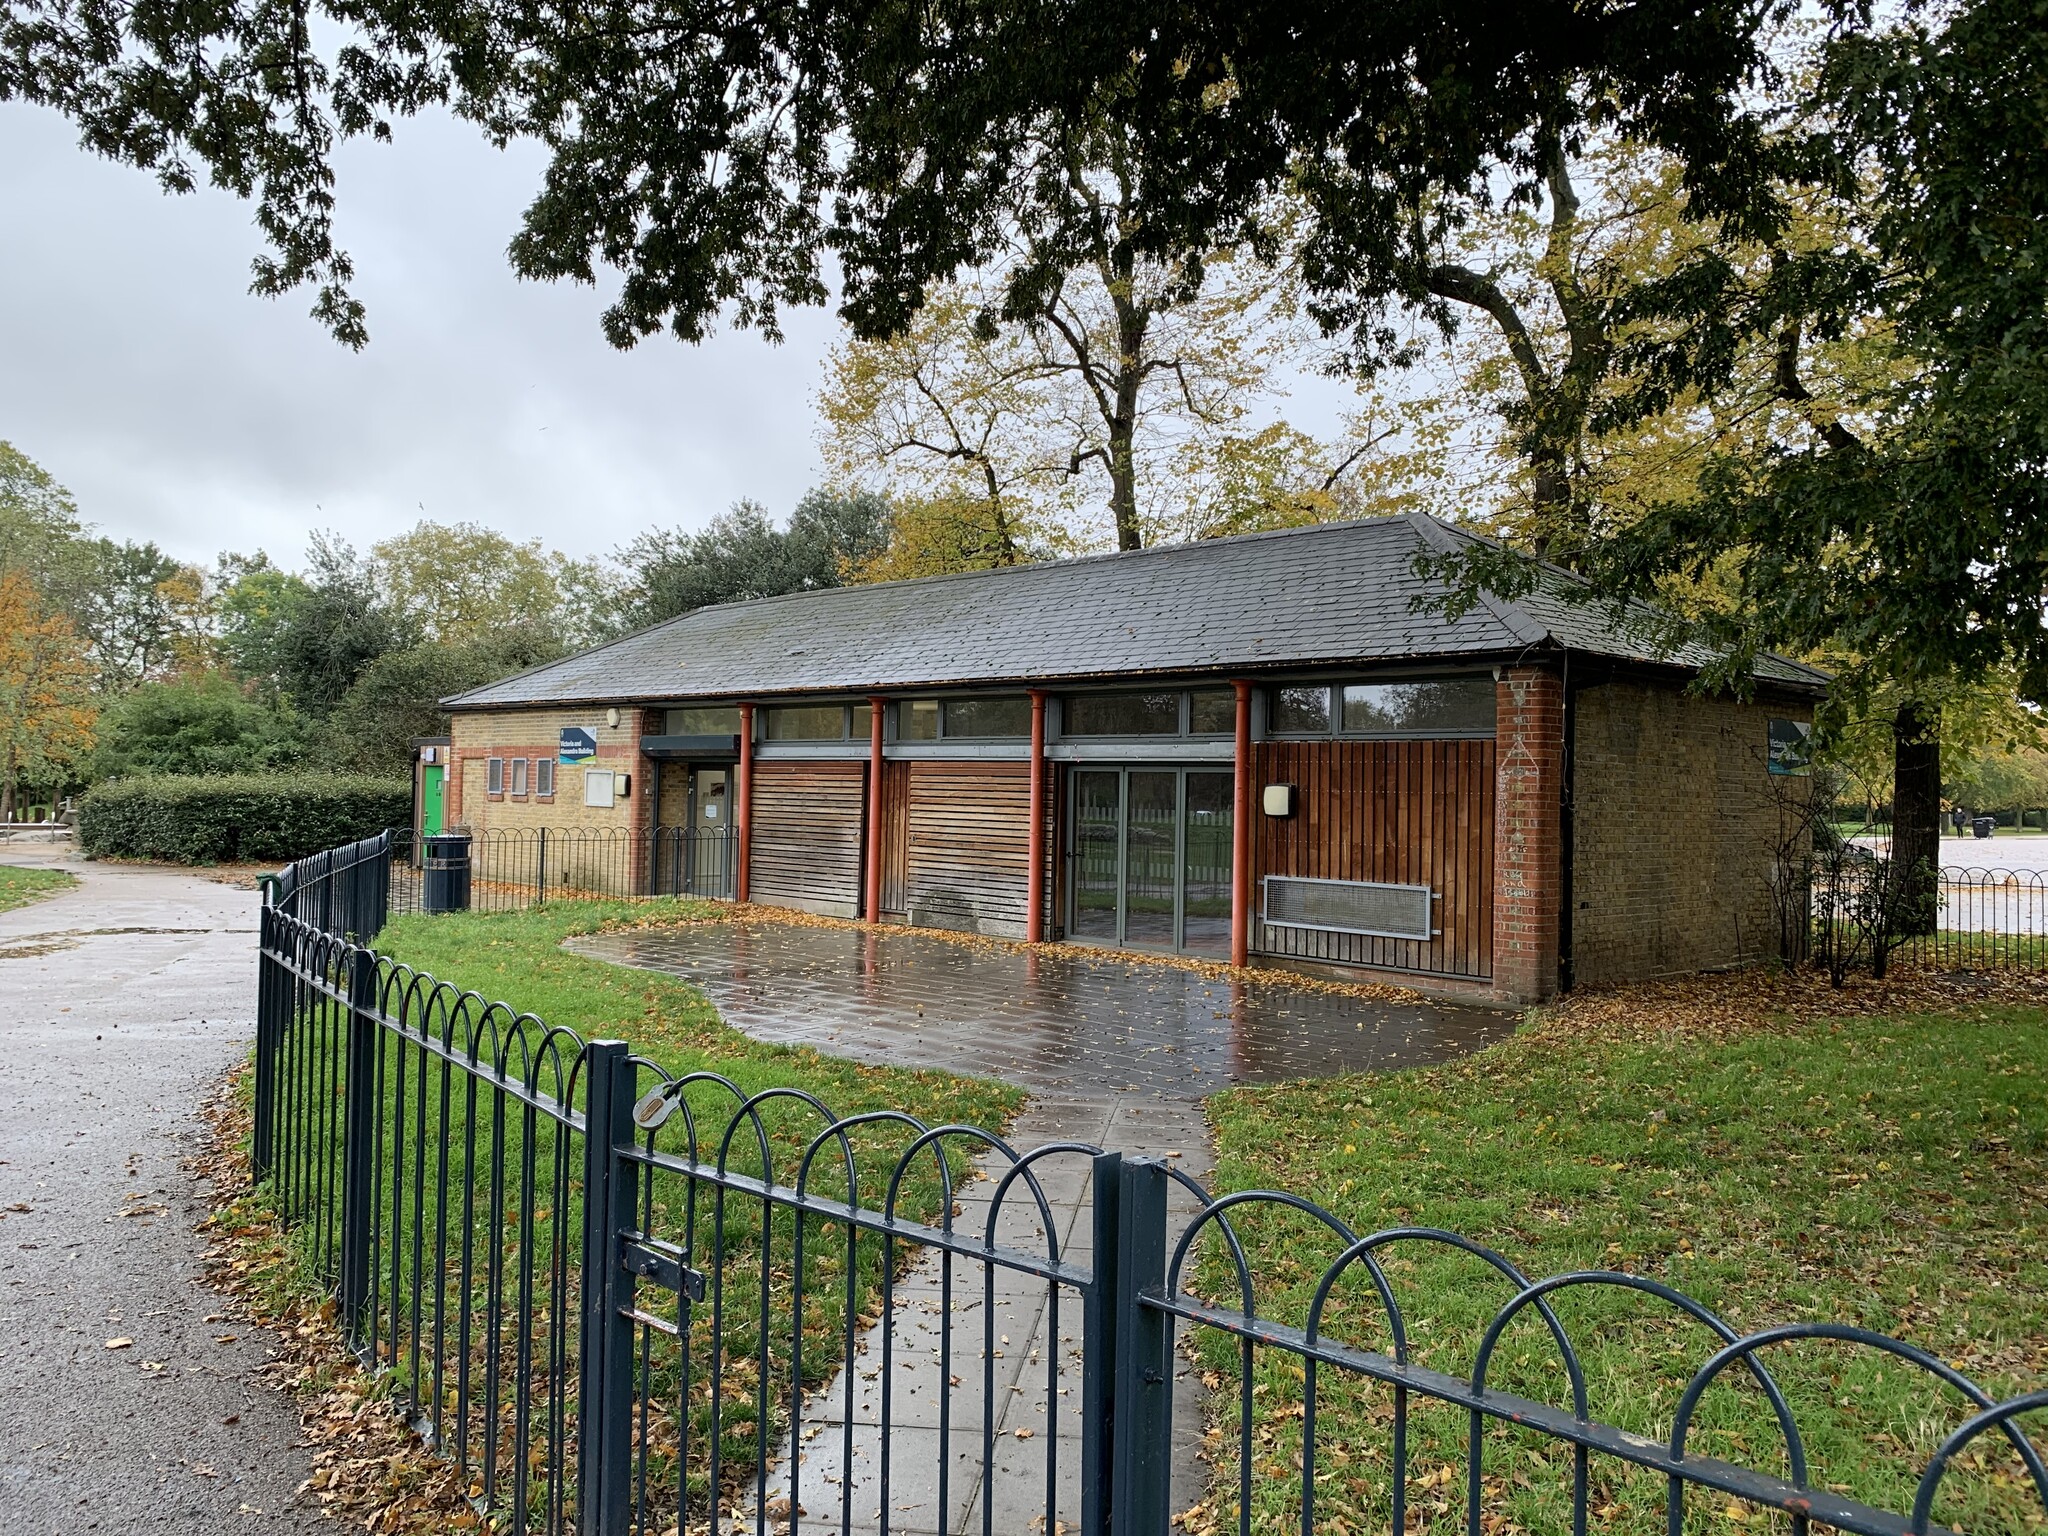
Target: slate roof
[(1329, 595)]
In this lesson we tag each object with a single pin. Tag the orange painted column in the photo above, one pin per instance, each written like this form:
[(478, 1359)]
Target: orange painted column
[(1034, 881), (871, 909), (1241, 833), (745, 796)]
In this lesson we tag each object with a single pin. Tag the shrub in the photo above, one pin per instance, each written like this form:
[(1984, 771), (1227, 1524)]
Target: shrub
[(257, 817)]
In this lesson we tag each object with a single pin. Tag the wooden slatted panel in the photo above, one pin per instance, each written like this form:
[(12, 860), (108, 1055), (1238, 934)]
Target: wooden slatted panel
[(969, 834), (1404, 812), (807, 835), (895, 822)]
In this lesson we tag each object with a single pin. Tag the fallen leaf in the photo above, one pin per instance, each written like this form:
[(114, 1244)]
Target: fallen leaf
[(121, 1343)]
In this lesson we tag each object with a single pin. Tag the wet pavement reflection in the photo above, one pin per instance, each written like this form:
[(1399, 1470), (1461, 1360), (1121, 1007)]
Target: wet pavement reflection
[(1054, 1024)]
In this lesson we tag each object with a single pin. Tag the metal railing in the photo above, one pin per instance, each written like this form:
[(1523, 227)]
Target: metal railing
[(626, 1302), (1985, 919)]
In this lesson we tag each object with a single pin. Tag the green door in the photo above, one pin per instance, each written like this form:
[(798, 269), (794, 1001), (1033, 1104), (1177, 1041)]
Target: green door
[(431, 797)]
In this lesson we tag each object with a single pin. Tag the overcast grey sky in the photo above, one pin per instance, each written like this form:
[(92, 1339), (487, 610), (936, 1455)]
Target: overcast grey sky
[(141, 373)]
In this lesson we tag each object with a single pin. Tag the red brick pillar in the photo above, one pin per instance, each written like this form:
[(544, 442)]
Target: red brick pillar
[(1528, 824)]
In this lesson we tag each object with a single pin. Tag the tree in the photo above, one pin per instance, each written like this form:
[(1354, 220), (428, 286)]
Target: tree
[(330, 627), (40, 533), (127, 612), (460, 582), (742, 554), (398, 695), (715, 155), (198, 723), (46, 710), (254, 601)]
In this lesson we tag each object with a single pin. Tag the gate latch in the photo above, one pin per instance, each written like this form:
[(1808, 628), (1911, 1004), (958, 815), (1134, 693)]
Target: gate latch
[(651, 1259)]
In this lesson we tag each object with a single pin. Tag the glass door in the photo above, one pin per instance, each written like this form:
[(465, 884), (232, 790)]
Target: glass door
[(1098, 856), (1152, 856)]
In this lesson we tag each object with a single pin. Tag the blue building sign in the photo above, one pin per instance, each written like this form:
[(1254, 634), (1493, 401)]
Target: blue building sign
[(578, 745)]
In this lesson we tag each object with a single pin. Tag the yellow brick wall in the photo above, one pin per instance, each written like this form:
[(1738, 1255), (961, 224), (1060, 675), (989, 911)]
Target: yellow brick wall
[(537, 733), (1675, 824)]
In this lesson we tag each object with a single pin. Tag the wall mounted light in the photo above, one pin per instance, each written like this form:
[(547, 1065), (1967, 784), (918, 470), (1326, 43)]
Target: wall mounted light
[(1278, 800), (611, 718)]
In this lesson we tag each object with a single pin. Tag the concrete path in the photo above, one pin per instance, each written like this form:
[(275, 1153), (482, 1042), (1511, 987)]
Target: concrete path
[(121, 1004), (1116, 1054)]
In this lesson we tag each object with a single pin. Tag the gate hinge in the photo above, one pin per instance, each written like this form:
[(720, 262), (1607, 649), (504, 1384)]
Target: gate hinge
[(662, 1263)]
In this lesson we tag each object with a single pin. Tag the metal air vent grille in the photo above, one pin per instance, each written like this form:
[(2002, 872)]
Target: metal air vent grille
[(1350, 906)]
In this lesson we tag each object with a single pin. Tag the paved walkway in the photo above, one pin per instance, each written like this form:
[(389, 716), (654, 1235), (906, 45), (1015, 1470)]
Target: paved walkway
[(1116, 1054), (121, 1004)]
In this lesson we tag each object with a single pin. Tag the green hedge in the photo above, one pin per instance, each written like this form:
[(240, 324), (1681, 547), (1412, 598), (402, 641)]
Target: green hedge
[(261, 818)]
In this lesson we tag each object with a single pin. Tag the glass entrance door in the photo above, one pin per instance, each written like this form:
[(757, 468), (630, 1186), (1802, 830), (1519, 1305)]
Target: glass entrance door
[(1152, 852)]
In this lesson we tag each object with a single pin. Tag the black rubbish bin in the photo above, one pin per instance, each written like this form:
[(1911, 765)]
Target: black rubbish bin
[(444, 874), (1982, 825)]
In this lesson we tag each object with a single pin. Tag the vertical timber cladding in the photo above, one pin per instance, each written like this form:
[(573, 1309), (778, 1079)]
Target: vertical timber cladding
[(806, 838), (967, 850), (895, 825), (1404, 812)]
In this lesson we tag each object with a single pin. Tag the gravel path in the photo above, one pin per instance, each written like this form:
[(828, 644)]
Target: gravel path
[(121, 1004)]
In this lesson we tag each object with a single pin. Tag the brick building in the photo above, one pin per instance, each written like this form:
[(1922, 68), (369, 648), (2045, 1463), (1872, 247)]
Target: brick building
[(1267, 749)]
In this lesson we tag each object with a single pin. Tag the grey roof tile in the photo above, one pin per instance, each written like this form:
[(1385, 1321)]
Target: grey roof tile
[(1331, 594)]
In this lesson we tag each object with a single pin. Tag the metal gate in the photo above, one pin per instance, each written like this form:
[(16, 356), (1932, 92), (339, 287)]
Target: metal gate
[(626, 1304)]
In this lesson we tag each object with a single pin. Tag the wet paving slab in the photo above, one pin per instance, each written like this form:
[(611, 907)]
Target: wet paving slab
[(1056, 1024), (963, 1414)]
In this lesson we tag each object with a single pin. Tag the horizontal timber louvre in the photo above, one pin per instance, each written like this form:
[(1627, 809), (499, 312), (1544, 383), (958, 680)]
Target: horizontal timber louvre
[(1402, 812), (806, 835), (968, 846)]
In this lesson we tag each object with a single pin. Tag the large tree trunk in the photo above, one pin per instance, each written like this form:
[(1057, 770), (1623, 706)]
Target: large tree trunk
[(1916, 812)]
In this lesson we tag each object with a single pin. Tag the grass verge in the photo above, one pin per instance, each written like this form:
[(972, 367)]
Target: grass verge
[(19, 885), (479, 1202), (1888, 1172)]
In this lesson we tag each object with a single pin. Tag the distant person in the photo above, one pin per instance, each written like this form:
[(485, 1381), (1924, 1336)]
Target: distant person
[(1959, 818)]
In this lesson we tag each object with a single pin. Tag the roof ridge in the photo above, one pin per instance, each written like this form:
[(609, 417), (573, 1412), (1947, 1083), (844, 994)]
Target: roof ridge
[(1068, 562), (1513, 617)]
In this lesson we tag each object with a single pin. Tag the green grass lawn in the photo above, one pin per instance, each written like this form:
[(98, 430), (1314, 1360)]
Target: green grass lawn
[(1891, 1173), (514, 1199), (19, 886)]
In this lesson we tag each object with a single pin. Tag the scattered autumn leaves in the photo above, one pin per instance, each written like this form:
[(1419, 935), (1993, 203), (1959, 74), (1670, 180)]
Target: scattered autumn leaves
[(369, 1468)]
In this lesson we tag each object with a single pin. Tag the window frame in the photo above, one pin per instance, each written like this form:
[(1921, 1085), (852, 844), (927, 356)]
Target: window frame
[(939, 703), (494, 776), (1184, 715), (519, 778), (543, 778), (1333, 693), (847, 732)]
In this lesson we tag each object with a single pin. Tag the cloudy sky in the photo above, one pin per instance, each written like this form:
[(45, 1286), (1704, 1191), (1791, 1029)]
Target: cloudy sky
[(141, 373)]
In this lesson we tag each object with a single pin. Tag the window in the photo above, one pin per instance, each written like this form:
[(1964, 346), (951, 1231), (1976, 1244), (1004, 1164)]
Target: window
[(918, 720), (862, 721), (599, 788), (1440, 707), (494, 776), (1212, 712), (544, 776), (986, 717), (1122, 714), (518, 775), (1300, 711), (806, 722), (704, 720)]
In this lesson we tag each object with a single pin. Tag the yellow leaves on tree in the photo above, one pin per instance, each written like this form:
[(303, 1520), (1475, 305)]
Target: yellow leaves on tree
[(46, 708)]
